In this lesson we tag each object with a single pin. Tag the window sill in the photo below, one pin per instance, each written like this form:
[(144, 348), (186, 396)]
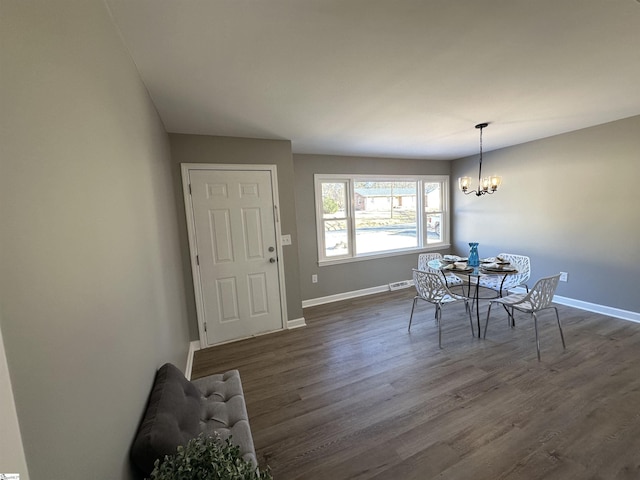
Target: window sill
[(377, 256)]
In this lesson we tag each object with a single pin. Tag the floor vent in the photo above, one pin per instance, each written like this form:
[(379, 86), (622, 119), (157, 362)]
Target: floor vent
[(400, 285)]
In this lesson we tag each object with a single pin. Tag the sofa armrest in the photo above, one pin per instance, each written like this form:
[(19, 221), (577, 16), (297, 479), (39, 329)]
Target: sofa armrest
[(172, 418)]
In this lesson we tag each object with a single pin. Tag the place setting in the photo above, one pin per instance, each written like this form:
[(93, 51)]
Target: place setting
[(450, 259), (459, 266), (496, 264)]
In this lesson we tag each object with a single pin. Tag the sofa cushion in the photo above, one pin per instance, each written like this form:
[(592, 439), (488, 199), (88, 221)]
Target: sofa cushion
[(172, 418), (224, 412)]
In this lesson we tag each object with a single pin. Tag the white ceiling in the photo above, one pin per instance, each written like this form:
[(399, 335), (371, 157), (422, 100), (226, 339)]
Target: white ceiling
[(398, 78)]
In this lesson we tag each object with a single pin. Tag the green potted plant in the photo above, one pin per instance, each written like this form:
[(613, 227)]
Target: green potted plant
[(207, 458)]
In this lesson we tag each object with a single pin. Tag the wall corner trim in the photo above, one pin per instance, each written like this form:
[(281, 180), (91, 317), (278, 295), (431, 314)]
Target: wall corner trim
[(296, 323), (193, 348)]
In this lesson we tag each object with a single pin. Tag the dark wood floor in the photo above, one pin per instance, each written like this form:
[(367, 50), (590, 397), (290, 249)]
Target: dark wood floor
[(354, 395)]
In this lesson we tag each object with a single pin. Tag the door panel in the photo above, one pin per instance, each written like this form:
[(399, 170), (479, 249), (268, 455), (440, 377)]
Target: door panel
[(227, 299), (235, 238), (252, 233), (258, 294), (220, 231)]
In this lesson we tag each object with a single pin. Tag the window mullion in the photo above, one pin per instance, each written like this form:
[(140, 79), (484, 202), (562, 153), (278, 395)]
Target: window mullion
[(320, 221), (444, 207), (420, 218), (351, 218)]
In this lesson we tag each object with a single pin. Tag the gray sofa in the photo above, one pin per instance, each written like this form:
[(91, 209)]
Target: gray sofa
[(179, 410)]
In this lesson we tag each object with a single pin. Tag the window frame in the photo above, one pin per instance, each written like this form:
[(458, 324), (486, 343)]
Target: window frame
[(421, 215)]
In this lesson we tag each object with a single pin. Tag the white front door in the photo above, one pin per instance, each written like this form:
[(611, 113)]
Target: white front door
[(234, 251)]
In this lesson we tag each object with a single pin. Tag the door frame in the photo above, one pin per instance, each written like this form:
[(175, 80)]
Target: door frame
[(195, 268)]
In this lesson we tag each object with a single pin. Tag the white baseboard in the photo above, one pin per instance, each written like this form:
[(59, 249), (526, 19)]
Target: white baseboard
[(603, 309), (591, 307), (344, 296), (296, 323), (570, 302), (193, 348)]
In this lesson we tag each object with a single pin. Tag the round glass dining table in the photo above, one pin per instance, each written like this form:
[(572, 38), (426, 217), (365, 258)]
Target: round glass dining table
[(472, 288)]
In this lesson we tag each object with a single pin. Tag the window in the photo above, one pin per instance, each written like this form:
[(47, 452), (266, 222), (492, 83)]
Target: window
[(360, 216)]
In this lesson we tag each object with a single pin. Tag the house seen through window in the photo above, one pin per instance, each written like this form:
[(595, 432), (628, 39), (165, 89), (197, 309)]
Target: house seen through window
[(363, 216)]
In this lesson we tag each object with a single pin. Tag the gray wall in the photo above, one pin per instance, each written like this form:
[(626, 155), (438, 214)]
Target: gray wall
[(570, 203), (209, 149), (91, 282), (92, 266), (12, 458), (347, 277)]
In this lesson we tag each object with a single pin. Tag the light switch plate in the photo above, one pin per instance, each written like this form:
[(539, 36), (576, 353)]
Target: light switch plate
[(286, 239)]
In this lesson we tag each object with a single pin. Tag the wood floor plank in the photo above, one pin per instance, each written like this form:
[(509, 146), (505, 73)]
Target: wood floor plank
[(354, 395)]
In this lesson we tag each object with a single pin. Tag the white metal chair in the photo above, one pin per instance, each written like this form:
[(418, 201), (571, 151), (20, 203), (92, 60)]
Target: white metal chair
[(520, 279), (431, 288), (537, 299), (423, 265)]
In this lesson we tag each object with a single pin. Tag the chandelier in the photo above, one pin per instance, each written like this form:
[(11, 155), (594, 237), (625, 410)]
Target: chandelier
[(486, 185)]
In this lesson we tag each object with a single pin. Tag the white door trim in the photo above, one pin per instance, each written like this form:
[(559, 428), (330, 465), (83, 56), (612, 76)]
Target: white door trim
[(197, 286)]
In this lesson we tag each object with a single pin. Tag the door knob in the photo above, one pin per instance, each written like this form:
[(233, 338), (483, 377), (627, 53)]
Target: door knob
[(272, 260)]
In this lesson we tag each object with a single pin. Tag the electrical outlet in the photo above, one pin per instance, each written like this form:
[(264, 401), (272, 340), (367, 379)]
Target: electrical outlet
[(286, 239), (564, 277), (314, 278)]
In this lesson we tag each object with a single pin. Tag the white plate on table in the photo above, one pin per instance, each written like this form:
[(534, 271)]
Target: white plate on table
[(452, 269), (494, 260), (503, 269), (453, 258)]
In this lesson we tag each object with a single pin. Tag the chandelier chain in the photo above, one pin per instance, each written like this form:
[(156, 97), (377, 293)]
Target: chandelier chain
[(480, 169)]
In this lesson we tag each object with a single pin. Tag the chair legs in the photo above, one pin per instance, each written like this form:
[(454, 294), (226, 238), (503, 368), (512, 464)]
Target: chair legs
[(439, 318), (486, 322), (415, 299), (466, 306), (510, 319), (564, 346), (535, 326)]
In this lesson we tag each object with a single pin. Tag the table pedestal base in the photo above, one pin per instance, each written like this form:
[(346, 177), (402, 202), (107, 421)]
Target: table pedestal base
[(475, 292)]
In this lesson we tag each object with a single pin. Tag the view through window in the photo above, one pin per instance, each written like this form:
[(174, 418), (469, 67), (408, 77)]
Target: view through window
[(362, 216)]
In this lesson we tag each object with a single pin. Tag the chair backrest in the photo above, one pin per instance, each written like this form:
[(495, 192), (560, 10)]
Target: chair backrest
[(523, 264), (430, 286), (425, 258), (541, 295)]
